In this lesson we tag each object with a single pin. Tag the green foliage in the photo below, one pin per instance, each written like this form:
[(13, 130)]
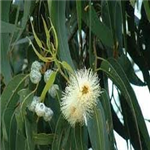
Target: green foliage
[(97, 129), (54, 38)]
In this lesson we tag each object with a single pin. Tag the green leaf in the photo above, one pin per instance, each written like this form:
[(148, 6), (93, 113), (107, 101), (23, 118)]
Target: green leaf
[(111, 6), (43, 138), (23, 41), (67, 137), (36, 37), (67, 66), (5, 70), (9, 101), (10, 95), (147, 9), (8, 28), (119, 26), (20, 141), (97, 27), (6, 121), (20, 122), (30, 127), (44, 59), (62, 131), (57, 14), (28, 8), (105, 100), (26, 13), (4, 132), (48, 85), (12, 132), (47, 33), (5, 8), (117, 75), (5, 40), (129, 123), (26, 96), (128, 69), (97, 129), (79, 14), (81, 137)]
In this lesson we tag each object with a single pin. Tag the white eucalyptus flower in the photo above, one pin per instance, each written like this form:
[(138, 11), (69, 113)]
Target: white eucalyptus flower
[(47, 75), (48, 114), (35, 76), (36, 66), (80, 96), (40, 109), (33, 103), (53, 90)]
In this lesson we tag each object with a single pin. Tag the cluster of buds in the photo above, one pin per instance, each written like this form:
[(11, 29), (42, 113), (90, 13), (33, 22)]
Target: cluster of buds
[(53, 90), (35, 77), (35, 74), (40, 109), (36, 106)]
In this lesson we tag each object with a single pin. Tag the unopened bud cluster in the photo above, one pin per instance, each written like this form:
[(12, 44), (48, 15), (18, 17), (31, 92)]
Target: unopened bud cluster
[(53, 90), (35, 74), (35, 77), (40, 109)]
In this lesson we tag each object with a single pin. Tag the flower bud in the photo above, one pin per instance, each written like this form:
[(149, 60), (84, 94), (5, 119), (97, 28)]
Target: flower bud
[(53, 90), (40, 109), (47, 75), (36, 66), (48, 114), (33, 103), (35, 76)]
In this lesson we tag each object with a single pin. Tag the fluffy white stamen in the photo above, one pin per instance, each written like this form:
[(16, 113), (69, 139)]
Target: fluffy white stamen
[(80, 96)]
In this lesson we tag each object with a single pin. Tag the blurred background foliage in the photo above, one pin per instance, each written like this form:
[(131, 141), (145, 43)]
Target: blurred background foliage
[(104, 35)]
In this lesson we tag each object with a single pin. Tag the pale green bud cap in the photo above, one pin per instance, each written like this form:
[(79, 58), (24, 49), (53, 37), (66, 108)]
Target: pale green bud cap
[(36, 66), (53, 90), (47, 75), (48, 114), (33, 103), (35, 76)]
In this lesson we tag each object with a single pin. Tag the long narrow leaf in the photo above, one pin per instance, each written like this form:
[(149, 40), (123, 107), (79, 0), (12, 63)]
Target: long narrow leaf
[(97, 129), (117, 75)]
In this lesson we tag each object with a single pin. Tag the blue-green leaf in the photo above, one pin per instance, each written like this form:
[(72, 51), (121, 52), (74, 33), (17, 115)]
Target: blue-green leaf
[(43, 138), (117, 75), (5, 40), (97, 129), (105, 100), (8, 28), (128, 69), (81, 137), (10, 95), (147, 9), (98, 27)]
